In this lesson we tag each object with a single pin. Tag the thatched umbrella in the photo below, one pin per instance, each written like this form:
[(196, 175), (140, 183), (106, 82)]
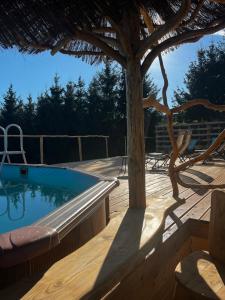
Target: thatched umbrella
[(94, 30)]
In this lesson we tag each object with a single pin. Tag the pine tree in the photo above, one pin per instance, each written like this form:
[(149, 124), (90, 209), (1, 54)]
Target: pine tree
[(81, 109), (103, 97), (55, 99), (121, 105), (29, 115), (70, 108), (43, 114), (12, 108), (108, 79), (49, 109), (94, 125)]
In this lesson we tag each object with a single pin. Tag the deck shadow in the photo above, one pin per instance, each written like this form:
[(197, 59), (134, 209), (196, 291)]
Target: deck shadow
[(123, 177), (200, 175), (125, 251), (190, 180), (157, 171), (215, 163), (124, 241), (24, 286)]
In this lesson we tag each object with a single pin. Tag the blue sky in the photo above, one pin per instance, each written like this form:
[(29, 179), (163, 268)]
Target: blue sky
[(31, 74), (177, 62)]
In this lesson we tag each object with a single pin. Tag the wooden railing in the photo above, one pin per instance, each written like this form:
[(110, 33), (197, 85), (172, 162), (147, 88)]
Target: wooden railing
[(204, 132), (79, 139), (76, 137)]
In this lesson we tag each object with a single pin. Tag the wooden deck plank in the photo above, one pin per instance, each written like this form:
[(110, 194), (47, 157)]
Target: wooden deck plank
[(200, 209), (157, 183), (123, 190), (195, 207), (103, 261), (206, 215), (67, 278)]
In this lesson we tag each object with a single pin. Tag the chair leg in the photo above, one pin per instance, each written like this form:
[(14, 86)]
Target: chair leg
[(154, 166), (165, 162), (121, 167)]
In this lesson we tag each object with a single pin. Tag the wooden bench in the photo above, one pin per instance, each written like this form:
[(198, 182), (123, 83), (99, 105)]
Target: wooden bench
[(201, 275)]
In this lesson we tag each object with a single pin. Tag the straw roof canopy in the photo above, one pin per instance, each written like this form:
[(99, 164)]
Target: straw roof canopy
[(90, 29)]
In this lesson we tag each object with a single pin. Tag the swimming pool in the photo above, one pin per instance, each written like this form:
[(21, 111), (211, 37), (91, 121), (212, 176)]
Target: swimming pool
[(40, 206), (29, 194)]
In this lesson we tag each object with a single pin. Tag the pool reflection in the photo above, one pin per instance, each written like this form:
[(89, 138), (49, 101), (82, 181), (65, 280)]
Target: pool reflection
[(22, 203)]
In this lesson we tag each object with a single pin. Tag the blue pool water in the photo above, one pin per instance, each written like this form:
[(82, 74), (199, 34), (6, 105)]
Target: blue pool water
[(27, 197)]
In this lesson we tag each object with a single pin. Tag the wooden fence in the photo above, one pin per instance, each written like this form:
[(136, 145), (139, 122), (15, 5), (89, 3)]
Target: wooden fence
[(79, 141), (203, 132), (75, 137)]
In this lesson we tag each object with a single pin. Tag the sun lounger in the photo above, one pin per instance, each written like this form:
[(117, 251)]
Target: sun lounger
[(162, 159), (219, 152)]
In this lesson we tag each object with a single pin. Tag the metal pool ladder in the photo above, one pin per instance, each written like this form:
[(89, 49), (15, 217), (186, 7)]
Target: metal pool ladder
[(6, 153)]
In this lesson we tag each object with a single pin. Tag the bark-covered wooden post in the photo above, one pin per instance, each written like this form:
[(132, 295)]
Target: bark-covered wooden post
[(135, 114), (135, 135)]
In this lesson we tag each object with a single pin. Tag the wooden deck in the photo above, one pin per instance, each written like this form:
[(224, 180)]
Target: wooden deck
[(135, 256), (194, 204)]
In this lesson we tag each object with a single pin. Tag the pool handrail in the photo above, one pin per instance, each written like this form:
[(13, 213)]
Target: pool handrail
[(3, 153), (5, 140), (7, 152)]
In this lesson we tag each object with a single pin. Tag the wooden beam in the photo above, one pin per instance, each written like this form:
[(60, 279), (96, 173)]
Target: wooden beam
[(80, 148), (82, 53), (188, 37), (94, 39), (150, 101), (106, 147), (135, 135), (204, 102), (164, 29), (59, 45), (216, 227)]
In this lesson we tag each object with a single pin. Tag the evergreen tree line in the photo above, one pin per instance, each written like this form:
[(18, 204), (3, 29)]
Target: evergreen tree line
[(74, 109), (100, 108), (205, 79)]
